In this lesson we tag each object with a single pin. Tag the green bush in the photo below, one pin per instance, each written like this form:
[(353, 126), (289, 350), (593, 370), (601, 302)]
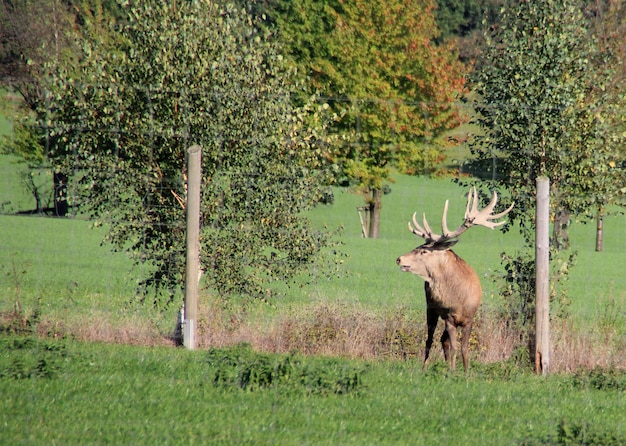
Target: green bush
[(25, 358), (241, 367), (570, 432)]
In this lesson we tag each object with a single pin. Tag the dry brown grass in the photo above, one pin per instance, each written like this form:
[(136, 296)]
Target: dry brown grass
[(96, 328), (132, 331), (356, 332), (340, 330)]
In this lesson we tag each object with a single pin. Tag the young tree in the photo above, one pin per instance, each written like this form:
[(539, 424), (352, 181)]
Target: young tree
[(377, 66), (541, 99), (31, 33), (176, 74)]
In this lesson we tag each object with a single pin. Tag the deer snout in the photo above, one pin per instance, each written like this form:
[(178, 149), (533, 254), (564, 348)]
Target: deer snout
[(402, 265)]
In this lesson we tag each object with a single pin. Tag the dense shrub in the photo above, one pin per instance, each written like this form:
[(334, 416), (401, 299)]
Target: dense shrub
[(24, 358), (242, 367), (570, 432)]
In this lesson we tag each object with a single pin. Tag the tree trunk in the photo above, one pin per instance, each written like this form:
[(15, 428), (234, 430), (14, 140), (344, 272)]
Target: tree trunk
[(600, 232), (560, 237), (375, 207), (60, 194)]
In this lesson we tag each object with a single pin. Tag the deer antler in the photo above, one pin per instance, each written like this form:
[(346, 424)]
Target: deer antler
[(426, 234), (473, 217)]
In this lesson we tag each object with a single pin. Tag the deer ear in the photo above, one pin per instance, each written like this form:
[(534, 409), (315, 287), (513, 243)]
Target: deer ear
[(447, 244)]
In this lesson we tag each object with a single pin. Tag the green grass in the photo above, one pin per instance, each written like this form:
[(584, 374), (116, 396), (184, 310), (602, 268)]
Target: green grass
[(59, 268), (372, 262), (105, 394), (374, 277), (5, 124)]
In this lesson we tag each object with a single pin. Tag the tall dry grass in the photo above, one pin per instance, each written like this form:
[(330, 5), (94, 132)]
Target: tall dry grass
[(96, 328), (355, 332)]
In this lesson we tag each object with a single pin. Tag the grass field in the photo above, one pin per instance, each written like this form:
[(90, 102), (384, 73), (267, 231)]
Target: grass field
[(115, 394), (60, 263)]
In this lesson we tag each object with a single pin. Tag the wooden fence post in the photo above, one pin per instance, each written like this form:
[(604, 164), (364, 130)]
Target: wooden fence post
[(364, 212), (542, 277), (194, 178)]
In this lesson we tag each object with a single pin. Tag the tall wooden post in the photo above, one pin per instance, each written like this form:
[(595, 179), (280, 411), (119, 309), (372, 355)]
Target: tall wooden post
[(194, 176), (542, 277)]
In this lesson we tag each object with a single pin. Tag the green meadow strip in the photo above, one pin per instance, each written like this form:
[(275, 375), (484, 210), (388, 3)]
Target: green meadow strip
[(96, 393)]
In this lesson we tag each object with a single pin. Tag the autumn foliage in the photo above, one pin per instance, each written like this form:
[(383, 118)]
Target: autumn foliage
[(377, 65)]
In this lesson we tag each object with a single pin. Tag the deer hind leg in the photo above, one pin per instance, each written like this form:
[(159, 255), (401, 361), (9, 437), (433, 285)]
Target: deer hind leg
[(467, 331), (431, 320), (448, 342), (445, 343)]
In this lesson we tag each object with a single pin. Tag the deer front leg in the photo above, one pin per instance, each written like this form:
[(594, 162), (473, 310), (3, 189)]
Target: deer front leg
[(448, 341), (431, 320)]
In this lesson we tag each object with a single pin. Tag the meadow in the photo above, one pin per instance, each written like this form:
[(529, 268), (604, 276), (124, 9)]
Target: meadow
[(82, 361), (76, 393)]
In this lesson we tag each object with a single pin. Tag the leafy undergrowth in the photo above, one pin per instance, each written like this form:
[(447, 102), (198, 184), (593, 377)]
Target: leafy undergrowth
[(599, 378), (25, 358), (582, 433), (244, 368)]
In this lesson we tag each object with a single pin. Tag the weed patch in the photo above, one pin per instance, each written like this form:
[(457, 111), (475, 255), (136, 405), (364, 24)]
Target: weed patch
[(516, 365), (582, 433), (241, 367), (19, 321), (599, 378), (25, 358)]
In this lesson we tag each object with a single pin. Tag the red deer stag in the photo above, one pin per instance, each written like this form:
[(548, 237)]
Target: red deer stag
[(453, 291)]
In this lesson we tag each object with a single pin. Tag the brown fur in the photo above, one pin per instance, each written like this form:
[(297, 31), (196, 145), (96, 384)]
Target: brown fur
[(453, 293)]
